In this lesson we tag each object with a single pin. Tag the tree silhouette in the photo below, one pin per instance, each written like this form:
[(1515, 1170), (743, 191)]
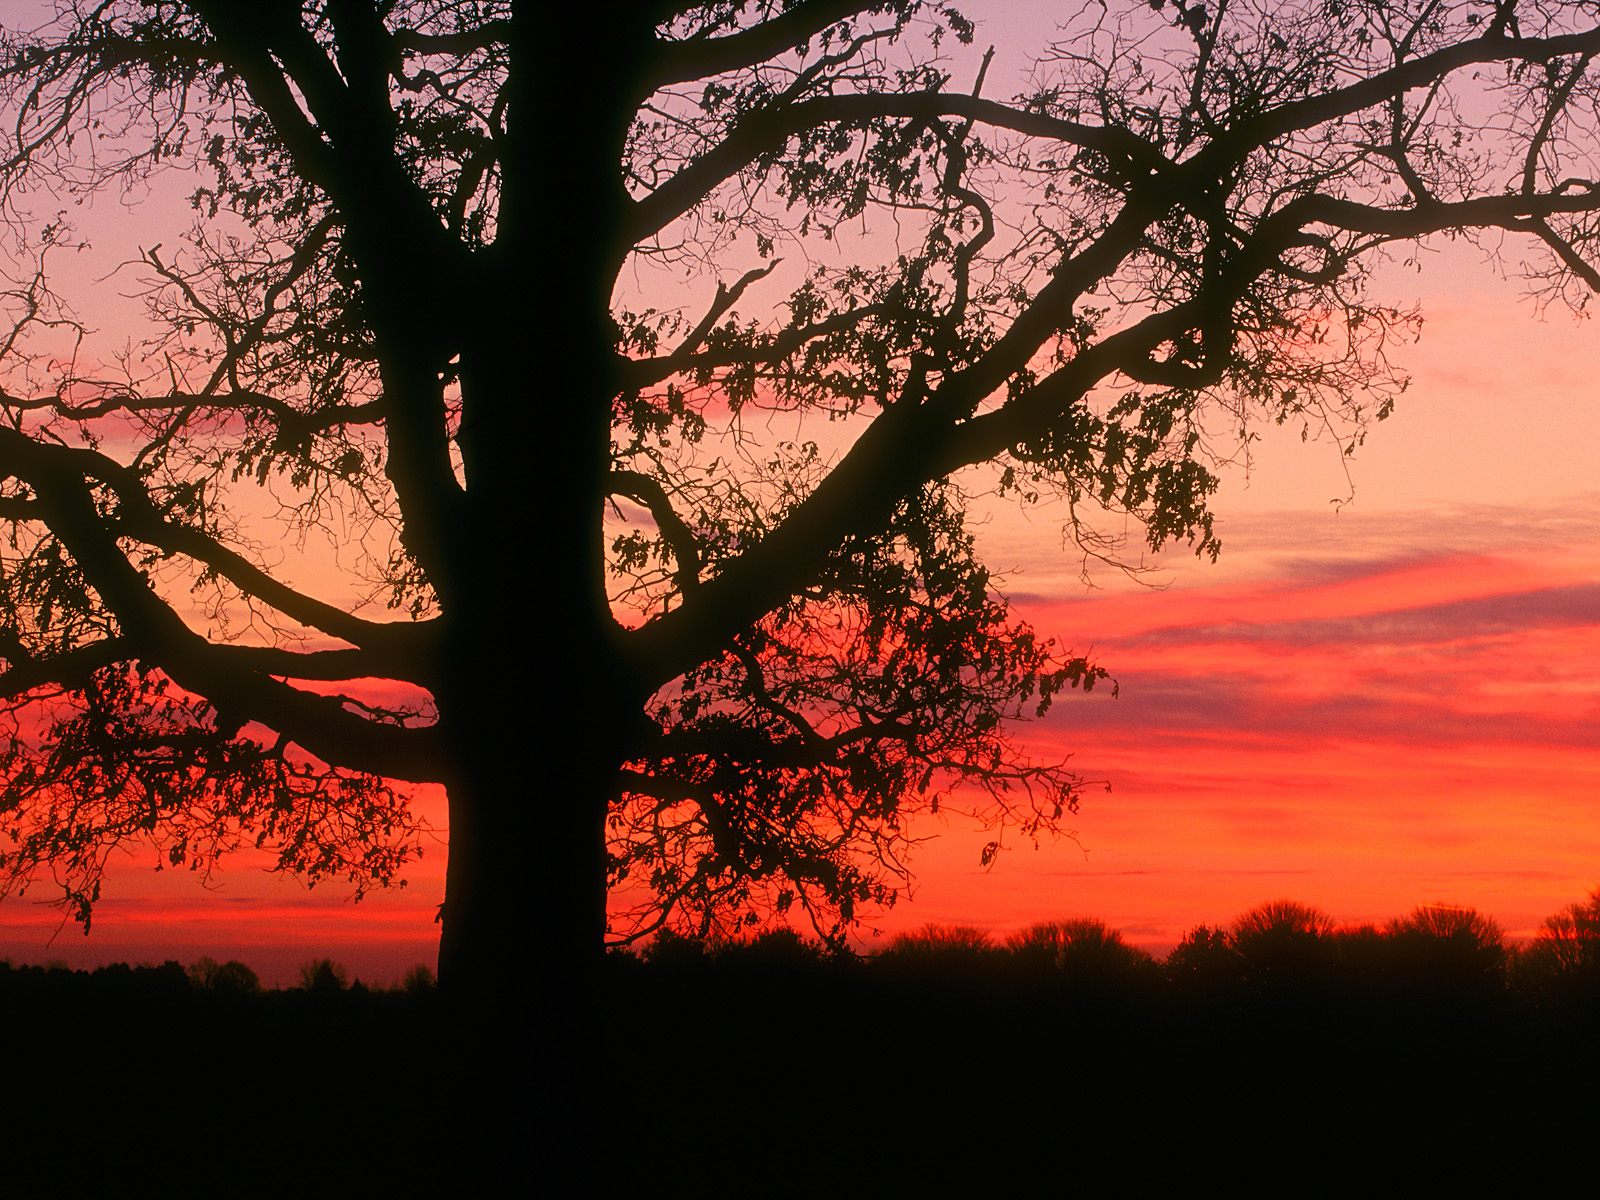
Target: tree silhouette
[(1563, 958), (942, 946), (1205, 963), (1450, 946), (232, 976), (1082, 949), (1285, 943), (323, 976), (643, 412)]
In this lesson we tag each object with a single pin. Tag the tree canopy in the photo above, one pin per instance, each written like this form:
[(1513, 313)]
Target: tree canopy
[(644, 412)]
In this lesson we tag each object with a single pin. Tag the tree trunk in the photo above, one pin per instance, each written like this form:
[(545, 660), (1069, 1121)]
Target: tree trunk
[(538, 713), (525, 883), (534, 695), (524, 922), (536, 707)]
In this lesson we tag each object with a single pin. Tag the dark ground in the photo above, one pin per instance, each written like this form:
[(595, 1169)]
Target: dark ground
[(818, 1080)]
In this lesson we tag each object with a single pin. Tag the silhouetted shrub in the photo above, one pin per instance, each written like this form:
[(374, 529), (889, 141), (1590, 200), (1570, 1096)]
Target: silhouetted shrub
[(1285, 942), (323, 975), (775, 949), (668, 948), (232, 976), (1084, 949), (1205, 963)]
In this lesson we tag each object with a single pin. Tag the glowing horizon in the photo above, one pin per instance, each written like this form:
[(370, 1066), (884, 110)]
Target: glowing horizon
[(1361, 735), (1365, 737)]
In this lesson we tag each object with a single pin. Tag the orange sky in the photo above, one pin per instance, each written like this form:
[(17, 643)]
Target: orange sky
[(1363, 706), (1363, 723)]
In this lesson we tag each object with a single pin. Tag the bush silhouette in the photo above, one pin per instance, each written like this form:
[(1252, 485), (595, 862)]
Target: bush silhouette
[(1285, 942), (1085, 949), (231, 976), (1563, 959), (1448, 946), (778, 949), (673, 950)]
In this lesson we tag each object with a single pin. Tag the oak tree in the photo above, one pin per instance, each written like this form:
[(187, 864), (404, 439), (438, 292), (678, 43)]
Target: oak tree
[(645, 365)]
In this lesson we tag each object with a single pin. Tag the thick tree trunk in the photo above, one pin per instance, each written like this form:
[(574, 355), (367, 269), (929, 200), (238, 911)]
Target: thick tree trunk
[(537, 707), (533, 767), (534, 694), (524, 917), (525, 884)]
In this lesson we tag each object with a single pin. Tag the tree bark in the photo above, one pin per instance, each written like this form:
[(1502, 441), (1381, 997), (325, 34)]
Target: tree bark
[(535, 697), (524, 916), (529, 616)]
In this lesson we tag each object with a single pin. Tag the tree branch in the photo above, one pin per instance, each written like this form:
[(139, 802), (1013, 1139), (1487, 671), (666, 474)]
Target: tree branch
[(406, 644), (698, 58), (766, 130), (155, 633), (678, 535)]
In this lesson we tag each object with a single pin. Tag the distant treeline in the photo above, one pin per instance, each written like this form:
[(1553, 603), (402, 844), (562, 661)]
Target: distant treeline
[(203, 1080), (321, 976), (1277, 1053), (1277, 946)]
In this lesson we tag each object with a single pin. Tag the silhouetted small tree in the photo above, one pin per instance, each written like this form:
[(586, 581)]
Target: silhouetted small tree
[(1205, 963), (231, 976), (1085, 950), (1563, 959), (323, 976), (1284, 942)]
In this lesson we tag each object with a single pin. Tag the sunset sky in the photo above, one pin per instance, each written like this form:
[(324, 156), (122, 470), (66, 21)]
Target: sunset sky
[(1385, 693)]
